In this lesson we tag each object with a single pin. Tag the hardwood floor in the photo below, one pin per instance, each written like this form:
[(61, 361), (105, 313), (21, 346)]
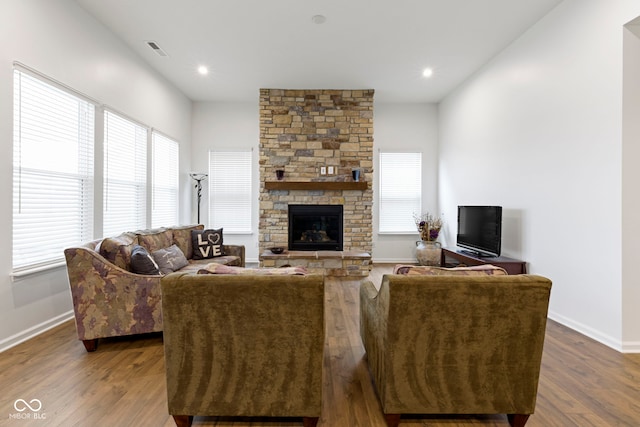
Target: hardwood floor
[(583, 383)]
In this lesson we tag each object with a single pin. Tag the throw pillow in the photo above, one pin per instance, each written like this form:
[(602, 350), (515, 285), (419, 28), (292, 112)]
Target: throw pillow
[(476, 270), (182, 238), (155, 238), (214, 268), (170, 259), (142, 262), (117, 250), (207, 243)]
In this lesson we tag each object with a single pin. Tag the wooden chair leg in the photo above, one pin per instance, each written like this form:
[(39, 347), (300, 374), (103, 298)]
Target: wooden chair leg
[(518, 420), (392, 419), (90, 345), (183, 420), (310, 421)]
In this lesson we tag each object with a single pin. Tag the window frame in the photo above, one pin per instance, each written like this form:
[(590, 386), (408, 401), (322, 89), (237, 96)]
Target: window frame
[(156, 189), (226, 178), (114, 188), (385, 202), (73, 220)]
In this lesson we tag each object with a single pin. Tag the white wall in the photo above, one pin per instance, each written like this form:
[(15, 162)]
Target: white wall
[(57, 38), (227, 126), (538, 131), (630, 180), (411, 128)]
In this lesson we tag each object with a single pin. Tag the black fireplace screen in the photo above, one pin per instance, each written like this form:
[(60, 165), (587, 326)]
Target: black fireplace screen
[(315, 227)]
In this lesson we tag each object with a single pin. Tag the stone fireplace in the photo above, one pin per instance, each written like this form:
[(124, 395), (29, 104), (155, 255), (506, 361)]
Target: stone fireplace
[(317, 137), (315, 227)]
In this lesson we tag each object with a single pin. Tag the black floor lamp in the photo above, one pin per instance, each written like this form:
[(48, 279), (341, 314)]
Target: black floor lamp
[(198, 178)]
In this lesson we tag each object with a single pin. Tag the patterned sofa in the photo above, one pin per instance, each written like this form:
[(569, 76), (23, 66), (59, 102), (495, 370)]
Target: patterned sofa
[(110, 299)]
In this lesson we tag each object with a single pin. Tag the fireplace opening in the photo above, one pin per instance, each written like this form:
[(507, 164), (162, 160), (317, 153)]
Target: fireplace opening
[(315, 227)]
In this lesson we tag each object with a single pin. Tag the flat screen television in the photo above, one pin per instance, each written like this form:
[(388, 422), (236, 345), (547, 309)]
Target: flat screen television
[(480, 229)]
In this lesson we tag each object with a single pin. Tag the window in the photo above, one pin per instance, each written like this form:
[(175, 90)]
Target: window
[(400, 193), (54, 174), (125, 175), (230, 190), (164, 169), (53, 136)]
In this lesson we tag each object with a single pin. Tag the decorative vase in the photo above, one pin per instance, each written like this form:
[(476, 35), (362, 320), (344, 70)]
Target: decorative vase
[(428, 252)]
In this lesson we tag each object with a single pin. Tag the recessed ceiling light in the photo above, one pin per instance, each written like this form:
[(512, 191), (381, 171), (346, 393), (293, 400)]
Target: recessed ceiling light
[(427, 72), (203, 70), (318, 19)]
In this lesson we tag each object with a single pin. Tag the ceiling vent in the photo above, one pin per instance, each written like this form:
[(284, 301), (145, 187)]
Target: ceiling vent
[(153, 45)]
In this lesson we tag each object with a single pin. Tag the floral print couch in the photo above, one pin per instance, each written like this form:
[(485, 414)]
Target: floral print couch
[(110, 299)]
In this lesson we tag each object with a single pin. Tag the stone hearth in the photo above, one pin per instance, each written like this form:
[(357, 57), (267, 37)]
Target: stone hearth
[(330, 263)]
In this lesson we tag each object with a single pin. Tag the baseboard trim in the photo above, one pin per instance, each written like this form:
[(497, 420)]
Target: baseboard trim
[(34, 331), (588, 331), (631, 346), (394, 261)]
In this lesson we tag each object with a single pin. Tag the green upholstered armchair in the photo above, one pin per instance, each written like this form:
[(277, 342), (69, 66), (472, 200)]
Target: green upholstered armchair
[(243, 345), (455, 344)]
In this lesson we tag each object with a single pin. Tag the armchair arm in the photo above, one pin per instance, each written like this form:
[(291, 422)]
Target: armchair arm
[(108, 300), (235, 250), (374, 310), (368, 294), (368, 290)]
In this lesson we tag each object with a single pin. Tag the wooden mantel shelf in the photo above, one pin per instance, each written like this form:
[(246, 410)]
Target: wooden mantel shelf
[(315, 185)]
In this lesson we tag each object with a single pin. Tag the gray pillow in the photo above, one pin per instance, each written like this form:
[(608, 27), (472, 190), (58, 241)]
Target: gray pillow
[(142, 262), (170, 259)]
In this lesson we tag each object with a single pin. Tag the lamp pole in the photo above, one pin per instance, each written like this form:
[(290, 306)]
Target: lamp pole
[(198, 178)]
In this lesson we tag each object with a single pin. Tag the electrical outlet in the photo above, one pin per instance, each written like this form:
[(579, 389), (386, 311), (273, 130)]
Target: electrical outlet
[(330, 170), (323, 170)]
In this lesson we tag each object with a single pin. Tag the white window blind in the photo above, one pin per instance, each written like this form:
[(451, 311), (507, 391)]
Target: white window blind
[(400, 191), (125, 175), (230, 190), (165, 152), (53, 137)]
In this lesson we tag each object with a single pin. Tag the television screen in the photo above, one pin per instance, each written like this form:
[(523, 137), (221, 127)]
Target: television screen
[(480, 229)]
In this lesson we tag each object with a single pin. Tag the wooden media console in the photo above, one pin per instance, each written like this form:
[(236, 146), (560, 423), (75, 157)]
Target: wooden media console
[(454, 257)]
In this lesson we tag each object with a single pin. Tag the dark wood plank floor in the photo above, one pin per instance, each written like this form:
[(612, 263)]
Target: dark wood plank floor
[(583, 383)]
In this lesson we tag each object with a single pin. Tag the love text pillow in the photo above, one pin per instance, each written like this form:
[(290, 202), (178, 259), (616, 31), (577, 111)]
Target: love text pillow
[(207, 243)]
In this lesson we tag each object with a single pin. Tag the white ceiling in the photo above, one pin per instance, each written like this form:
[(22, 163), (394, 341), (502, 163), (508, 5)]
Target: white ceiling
[(364, 44)]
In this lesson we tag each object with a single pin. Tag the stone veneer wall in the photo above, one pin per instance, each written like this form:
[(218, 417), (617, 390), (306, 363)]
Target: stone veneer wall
[(302, 130)]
